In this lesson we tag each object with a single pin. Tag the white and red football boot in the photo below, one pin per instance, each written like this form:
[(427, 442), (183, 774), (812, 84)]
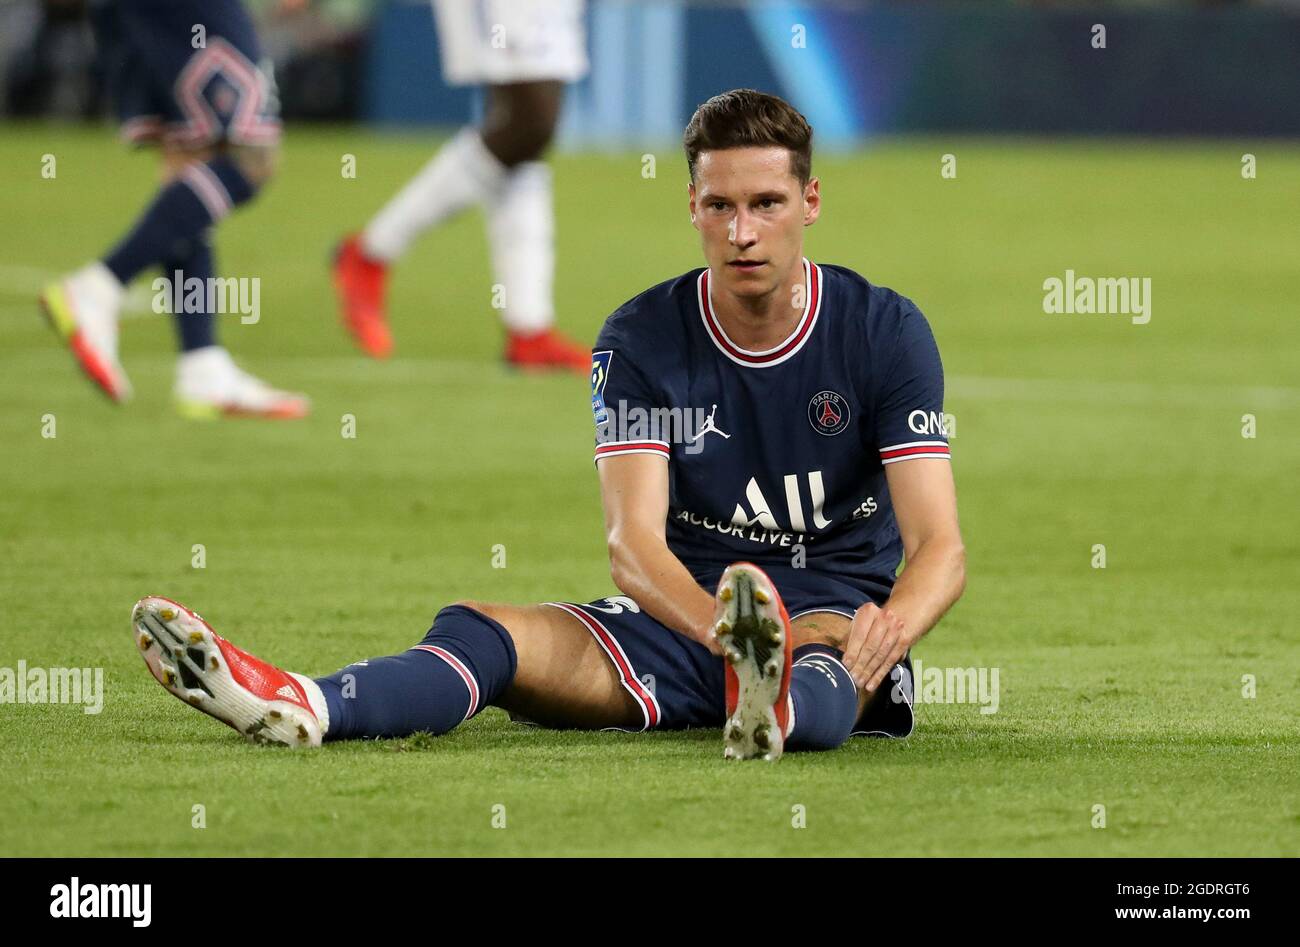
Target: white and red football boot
[(83, 310), (753, 628), (210, 385), (264, 703)]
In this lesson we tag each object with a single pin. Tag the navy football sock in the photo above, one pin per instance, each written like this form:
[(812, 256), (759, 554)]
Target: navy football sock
[(200, 196), (463, 664), (192, 260), (825, 699)]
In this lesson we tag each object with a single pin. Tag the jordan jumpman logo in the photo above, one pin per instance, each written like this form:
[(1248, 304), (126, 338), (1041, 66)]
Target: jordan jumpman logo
[(708, 427)]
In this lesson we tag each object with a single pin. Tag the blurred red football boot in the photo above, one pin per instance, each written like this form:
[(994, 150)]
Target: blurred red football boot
[(361, 286), (547, 350)]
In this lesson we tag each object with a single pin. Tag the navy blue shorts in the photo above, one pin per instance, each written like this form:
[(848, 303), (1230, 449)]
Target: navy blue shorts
[(188, 72), (677, 683)]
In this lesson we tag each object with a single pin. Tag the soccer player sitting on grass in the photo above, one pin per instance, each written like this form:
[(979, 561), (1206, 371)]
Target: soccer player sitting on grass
[(756, 547)]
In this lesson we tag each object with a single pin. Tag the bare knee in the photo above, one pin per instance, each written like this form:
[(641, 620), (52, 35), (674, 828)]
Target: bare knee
[(489, 609), (256, 162), (521, 119), (176, 159), (828, 628)]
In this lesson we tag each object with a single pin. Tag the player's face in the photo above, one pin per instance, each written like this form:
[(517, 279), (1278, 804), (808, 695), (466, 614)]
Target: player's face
[(750, 211)]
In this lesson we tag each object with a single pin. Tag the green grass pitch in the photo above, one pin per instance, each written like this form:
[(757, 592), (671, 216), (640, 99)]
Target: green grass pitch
[(1121, 687)]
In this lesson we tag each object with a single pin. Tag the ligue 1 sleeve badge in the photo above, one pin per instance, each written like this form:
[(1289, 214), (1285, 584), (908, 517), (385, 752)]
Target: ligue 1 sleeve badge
[(828, 413)]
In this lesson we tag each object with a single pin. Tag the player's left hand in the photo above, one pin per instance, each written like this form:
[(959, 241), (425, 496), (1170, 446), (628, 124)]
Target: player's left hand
[(878, 639)]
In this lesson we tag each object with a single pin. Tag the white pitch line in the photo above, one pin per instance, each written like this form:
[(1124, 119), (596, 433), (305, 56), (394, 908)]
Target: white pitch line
[(28, 281), (1121, 392)]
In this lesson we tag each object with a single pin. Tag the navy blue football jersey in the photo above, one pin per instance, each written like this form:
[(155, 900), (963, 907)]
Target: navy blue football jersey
[(779, 456), (189, 72)]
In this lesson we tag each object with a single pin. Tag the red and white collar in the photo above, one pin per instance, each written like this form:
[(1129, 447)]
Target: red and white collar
[(778, 353)]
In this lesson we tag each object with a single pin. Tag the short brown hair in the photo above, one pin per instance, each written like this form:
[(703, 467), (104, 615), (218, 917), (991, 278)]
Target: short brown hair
[(745, 118)]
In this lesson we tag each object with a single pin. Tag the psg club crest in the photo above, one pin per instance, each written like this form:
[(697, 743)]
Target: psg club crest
[(828, 413)]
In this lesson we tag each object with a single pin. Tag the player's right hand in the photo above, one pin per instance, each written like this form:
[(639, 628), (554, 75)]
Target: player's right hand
[(877, 641)]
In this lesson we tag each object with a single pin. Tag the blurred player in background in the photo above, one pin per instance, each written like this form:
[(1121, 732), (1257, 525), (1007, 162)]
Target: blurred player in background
[(523, 51), (185, 75)]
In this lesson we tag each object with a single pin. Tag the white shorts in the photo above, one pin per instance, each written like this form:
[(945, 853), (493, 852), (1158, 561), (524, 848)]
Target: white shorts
[(492, 42)]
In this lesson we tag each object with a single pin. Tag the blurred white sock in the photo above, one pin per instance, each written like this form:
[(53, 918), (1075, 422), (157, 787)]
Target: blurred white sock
[(463, 173), (521, 232)]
